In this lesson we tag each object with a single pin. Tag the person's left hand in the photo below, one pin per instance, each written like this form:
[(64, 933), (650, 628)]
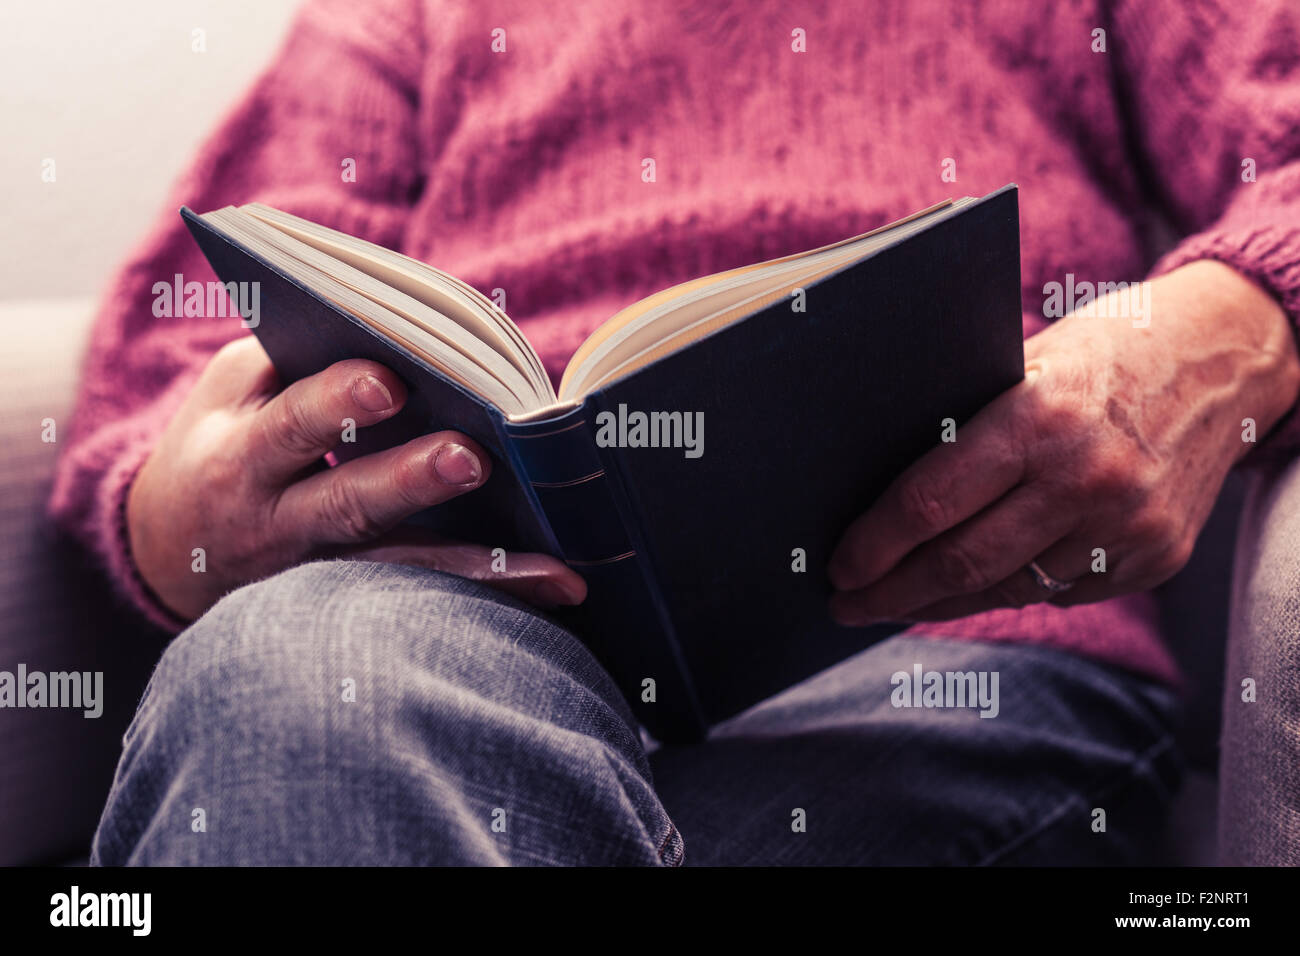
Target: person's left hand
[(1118, 439)]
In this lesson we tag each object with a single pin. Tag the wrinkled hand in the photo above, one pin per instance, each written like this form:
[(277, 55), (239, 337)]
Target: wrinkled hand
[(1118, 439), (238, 472)]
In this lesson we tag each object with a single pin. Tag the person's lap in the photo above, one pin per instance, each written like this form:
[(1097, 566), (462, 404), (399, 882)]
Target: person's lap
[(886, 785), (347, 712)]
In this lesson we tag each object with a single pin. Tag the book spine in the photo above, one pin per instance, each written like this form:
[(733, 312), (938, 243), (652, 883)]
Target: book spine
[(623, 621)]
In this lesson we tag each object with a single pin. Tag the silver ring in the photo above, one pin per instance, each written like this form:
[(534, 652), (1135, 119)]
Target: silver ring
[(1046, 581)]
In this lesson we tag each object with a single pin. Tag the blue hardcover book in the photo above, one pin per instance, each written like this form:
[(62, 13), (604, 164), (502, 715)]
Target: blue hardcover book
[(661, 470)]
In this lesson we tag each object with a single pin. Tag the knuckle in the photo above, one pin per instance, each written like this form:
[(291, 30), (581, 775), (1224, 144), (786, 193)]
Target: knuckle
[(1057, 412), (291, 430), (1065, 419), (223, 374), (1108, 479), (1118, 482), (1155, 527), (341, 508), (1164, 541), (229, 355), (410, 479), (922, 509), (238, 366), (224, 475), (1174, 557), (957, 570)]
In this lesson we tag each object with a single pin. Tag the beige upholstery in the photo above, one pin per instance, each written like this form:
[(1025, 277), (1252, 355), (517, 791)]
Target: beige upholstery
[(1259, 788), (55, 615)]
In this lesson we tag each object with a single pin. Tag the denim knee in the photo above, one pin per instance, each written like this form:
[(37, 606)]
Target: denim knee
[(332, 646), (338, 689)]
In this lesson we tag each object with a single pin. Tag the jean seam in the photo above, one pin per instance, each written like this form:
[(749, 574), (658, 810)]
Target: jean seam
[(662, 845), (678, 855), (1143, 761)]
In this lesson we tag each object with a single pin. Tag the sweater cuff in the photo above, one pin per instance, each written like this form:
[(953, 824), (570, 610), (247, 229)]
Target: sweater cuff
[(1270, 257), (116, 540)]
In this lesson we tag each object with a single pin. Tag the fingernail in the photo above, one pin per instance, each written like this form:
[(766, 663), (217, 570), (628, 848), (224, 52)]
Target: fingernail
[(548, 592), (370, 394), (457, 465)]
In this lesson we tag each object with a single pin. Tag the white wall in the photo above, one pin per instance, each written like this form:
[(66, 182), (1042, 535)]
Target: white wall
[(112, 91)]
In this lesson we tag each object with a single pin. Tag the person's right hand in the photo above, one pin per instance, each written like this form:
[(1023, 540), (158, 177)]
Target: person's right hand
[(238, 472)]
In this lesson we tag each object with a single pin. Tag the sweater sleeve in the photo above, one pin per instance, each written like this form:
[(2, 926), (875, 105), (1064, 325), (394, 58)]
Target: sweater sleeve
[(342, 87), (1214, 89)]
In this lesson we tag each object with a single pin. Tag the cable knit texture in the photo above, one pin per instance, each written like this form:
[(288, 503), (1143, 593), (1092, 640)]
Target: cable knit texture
[(521, 170)]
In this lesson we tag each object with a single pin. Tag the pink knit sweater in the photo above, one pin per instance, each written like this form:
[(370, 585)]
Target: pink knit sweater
[(521, 169)]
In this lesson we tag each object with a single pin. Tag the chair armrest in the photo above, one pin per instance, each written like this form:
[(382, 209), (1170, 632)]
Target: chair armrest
[(1259, 779), (56, 612)]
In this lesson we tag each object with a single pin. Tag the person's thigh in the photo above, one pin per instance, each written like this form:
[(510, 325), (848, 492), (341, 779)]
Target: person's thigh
[(831, 771), (360, 713)]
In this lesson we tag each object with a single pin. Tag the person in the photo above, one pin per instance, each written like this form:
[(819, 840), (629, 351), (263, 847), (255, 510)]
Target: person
[(340, 693)]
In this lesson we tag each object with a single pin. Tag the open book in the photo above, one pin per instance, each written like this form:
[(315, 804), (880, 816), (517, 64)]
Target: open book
[(705, 571), (460, 332)]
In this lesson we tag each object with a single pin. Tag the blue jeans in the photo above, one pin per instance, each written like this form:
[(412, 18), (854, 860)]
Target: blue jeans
[(358, 713)]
